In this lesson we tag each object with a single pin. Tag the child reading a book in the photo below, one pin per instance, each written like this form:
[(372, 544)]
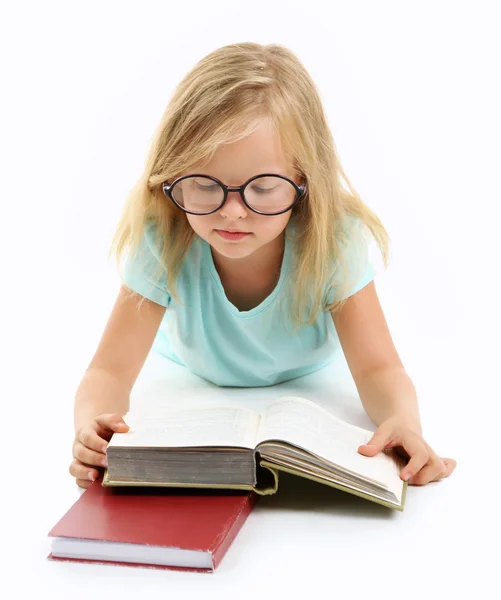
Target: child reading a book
[(245, 259)]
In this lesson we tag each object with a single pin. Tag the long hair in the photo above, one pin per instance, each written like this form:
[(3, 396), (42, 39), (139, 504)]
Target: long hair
[(222, 99)]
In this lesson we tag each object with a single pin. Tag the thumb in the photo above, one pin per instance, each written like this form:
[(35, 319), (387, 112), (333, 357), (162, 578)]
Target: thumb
[(377, 443), (112, 422)]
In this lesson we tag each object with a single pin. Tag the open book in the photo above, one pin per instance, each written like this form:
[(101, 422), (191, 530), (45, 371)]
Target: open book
[(229, 446)]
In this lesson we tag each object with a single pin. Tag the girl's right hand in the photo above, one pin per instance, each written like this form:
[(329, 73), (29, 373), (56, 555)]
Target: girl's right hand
[(89, 447)]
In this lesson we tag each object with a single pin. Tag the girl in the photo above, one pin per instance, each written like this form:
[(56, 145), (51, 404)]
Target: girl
[(245, 259)]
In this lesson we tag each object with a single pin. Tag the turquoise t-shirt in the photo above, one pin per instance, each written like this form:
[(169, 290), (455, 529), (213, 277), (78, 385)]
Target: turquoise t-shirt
[(209, 335)]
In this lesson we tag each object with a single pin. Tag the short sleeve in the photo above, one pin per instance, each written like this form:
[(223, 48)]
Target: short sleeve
[(143, 272), (358, 269)]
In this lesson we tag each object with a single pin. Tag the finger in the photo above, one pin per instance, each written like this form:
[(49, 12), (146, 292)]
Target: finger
[(89, 457), (451, 464), (90, 439), (443, 467), (112, 422), (107, 425), (84, 483), (380, 440), (418, 451), (433, 471), (81, 471), (401, 452)]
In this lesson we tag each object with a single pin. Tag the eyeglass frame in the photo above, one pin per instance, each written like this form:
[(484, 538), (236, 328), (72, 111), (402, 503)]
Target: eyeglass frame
[(300, 193)]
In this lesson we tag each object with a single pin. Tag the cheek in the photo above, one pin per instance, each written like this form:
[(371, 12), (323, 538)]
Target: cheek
[(273, 226), (199, 224)]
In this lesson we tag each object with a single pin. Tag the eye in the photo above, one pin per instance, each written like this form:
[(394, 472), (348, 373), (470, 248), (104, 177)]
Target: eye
[(207, 188), (261, 190)]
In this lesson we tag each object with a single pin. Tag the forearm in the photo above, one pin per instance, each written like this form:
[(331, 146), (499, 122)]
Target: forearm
[(388, 393), (99, 392)]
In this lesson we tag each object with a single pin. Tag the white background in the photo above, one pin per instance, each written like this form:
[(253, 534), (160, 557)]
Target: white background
[(412, 94)]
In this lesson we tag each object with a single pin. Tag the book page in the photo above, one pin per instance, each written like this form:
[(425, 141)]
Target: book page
[(304, 424), (224, 425)]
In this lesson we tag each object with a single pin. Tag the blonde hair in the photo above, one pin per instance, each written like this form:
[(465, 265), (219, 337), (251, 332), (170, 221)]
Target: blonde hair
[(222, 99)]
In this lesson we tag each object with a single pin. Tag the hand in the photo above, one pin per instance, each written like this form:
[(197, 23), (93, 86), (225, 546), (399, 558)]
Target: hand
[(424, 464), (89, 447)]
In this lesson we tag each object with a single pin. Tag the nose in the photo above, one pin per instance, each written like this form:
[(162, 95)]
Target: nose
[(234, 208)]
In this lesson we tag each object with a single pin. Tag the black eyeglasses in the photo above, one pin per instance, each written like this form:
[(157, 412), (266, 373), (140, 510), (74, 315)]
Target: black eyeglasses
[(265, 194)]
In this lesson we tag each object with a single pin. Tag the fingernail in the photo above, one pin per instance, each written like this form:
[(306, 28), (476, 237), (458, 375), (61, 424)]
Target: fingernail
[(104, 462), (90, 475), (104, 449), (407, 476)]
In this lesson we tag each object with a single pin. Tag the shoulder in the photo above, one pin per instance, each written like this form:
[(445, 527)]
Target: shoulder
[(352, 231), (353, 267), (151, 239)]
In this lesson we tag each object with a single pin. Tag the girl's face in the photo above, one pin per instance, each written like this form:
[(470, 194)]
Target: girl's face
[(233, 164)]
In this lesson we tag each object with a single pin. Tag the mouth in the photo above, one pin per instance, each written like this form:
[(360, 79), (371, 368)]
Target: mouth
[(232, 234)]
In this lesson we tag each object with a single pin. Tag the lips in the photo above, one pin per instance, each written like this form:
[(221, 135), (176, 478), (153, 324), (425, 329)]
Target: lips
[(232, 234)]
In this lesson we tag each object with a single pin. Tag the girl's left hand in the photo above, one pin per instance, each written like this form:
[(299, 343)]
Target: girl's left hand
[(424, 464)]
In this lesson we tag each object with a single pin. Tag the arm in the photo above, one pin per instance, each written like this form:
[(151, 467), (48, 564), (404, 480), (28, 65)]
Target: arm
[(384, 387), (122, 351), (386, 391), (103, 394)]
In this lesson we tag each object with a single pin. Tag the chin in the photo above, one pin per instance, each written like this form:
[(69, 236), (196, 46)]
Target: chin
[(232, 249)]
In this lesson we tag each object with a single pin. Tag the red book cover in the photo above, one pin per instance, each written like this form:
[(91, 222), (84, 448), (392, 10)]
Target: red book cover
[(155, 527)]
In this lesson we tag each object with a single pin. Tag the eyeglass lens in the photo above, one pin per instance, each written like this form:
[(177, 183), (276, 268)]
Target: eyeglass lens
[(265, 194)]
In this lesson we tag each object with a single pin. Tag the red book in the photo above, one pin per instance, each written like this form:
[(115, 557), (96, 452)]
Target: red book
[(154, 527)]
